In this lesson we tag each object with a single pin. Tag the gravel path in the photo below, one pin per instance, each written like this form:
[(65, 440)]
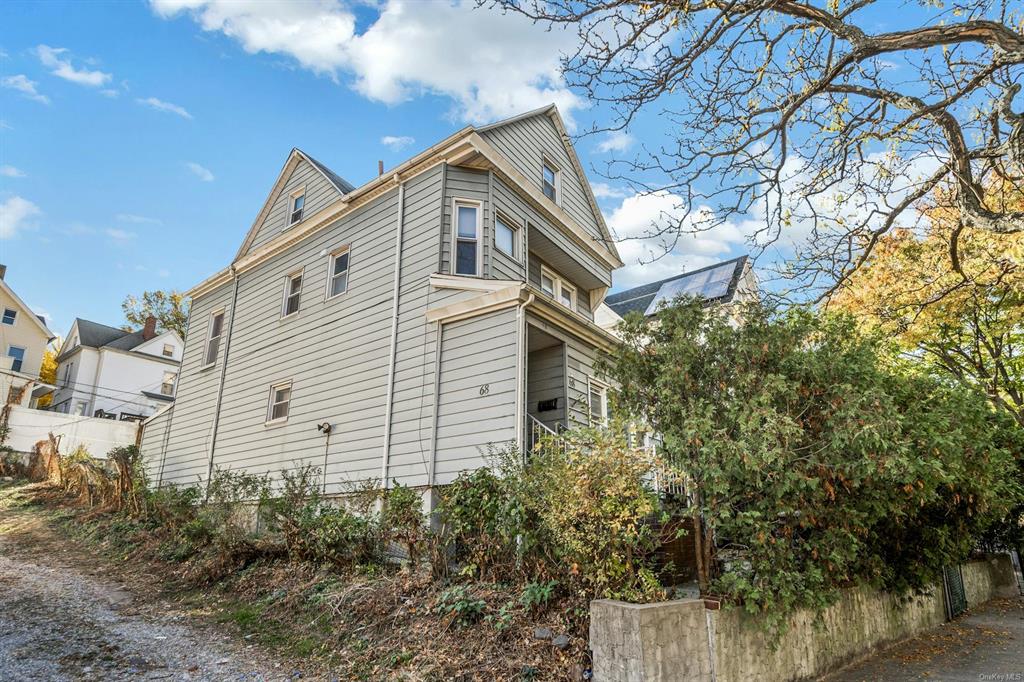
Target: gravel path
[(63, 618)]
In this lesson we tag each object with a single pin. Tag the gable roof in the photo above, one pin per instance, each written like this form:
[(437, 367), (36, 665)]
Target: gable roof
[(96, 335), (640, 298), (551, 111), (38, 320)]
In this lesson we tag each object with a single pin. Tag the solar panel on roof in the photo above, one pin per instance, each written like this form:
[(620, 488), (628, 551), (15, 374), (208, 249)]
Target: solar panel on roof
[(710, 283)]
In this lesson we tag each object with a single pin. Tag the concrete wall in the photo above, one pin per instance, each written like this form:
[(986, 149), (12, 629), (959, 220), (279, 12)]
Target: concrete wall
[(99, 436), (672, 640)]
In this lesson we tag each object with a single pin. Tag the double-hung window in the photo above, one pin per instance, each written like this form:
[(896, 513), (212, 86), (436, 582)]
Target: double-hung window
[(550, 180), (167, 385), (292, 293), (557, 288), (18, 355), (10, 315), (467, 238), (598, 399), (168, 351), (337, 273), (296, 203), (280, 399), (213, 334), (504, 236)]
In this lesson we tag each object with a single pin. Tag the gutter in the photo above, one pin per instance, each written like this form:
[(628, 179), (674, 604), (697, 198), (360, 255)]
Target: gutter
[(221, 378), (393, 353)]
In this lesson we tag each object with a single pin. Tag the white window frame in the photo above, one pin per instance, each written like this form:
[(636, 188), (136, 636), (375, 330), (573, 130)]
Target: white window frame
[(274, 388), (14, 316), (601, 388), (331, 258), (479, 206), (288, 279), (559, 283), (168, 347), (547, 162), (292, 198), (164, 382), (500, 217), (207, 362)]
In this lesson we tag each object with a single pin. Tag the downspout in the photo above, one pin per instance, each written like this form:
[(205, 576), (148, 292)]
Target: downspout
[(438, 333), (394, 335), (520, 379), (221, 378)]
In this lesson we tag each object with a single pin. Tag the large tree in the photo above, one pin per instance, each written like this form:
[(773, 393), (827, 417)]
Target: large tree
[(170, 308), (809, 117), (968, 323)]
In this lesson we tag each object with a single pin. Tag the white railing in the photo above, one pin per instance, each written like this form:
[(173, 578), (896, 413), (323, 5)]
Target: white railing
[(535, 431)]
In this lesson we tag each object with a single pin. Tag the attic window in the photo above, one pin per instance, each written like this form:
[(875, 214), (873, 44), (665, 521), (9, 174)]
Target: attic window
[(168, 350), (296, 204), (9, 315), (550, 180)]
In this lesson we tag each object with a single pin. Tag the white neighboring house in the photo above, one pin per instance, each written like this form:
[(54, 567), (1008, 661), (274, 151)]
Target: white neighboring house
[(116, 374), (23, 339)]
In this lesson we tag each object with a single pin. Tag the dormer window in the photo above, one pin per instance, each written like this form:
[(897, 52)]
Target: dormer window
[(297, 203), (550, 180)]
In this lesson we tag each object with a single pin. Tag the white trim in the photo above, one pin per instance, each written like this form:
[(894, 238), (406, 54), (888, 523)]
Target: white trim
[(558, 283), (466, 283), (207, 363), (293, 196), (274, 388), (502, 217), (479, 305), (331, 258), (453, 258), (545, 161), (288, 279)]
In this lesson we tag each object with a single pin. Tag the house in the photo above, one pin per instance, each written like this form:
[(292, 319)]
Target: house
[(108, 372), (719, 284), (23, 340), (440, 309)]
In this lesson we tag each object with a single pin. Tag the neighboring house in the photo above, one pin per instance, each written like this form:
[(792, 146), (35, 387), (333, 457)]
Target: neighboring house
[(23, 340), (109, 372), (730, 281), (440, 309)]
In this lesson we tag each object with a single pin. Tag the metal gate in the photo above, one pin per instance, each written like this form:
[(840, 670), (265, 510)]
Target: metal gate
[(956, 598)]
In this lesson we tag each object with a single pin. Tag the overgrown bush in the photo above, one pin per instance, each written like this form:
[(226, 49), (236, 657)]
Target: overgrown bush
[(812, 464)]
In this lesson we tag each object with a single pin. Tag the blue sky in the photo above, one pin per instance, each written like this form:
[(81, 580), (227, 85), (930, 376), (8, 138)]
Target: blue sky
[(138, 140)]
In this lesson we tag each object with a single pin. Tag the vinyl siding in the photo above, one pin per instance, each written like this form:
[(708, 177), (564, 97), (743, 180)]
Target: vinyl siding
[(477, 392), (580, 358), (154, 442), (582, 295), (545, 380), (525, 143), (473, 185), (319, 194), (187, 452)]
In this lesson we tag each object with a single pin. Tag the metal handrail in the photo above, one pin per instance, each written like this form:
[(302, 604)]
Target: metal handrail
[(536, 429)]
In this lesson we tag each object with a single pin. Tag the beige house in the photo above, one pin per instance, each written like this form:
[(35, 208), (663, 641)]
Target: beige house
[(23, 339)]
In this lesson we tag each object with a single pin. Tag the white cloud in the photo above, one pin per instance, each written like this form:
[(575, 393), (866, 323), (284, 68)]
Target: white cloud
[(11, 172), (57, 59), (27, 87), (43, 313), (137, 219), (637, 224), (395, 143), (119, 236), (109, 92), (603, 190), (4, 125), (503, 65), (15, 215), (160, 105), (615, 141), (200, 172)]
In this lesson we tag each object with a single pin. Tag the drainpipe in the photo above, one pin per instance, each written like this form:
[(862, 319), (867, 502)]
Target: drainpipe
[(394, 334), (520, 379), (221, 378)]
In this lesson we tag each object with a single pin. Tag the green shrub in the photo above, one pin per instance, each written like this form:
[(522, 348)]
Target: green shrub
[(459, 602), (402, 520)]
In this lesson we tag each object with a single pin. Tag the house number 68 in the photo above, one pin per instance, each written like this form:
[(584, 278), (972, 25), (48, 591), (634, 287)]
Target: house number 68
[(485, 389)]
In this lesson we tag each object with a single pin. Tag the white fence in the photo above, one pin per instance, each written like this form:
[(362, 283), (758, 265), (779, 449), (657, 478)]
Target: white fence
[(99, 436)]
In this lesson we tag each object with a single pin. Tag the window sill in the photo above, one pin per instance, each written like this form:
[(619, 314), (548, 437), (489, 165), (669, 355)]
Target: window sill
[(289, 316), (334, 296), (208, 367), (274, 423)]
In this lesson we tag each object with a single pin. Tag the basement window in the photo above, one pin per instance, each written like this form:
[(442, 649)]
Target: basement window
[(280, 399), (297, 203)]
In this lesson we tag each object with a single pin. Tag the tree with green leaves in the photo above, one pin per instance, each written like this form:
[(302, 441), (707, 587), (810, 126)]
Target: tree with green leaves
[(170, 308)]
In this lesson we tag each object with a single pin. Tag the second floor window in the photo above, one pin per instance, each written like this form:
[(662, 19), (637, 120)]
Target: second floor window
[(296, 204), (10, 315), (504, 236), (337, 274), (18, 355), (557, 288), (467, 239), (598, 403), (549, 181), (280, 399), (68, 371), (167, 385), (292, 292), (213, 338)]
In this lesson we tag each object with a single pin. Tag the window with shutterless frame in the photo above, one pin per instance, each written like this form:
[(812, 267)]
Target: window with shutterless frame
[(280, 402), (467, 229), (292, 294), (558, 288), (10, 315), (337, 272), (597, 398), (505, 235), (551, 180), (214, 331), (296, 205)]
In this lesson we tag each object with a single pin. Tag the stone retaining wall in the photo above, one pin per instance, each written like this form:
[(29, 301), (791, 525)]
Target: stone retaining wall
[(683, 641)]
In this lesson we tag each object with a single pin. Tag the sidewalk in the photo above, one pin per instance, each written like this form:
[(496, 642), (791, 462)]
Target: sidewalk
[(986, 643)]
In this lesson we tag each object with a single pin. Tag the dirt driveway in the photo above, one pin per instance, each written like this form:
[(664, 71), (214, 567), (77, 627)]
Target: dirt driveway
[(63, 617)]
